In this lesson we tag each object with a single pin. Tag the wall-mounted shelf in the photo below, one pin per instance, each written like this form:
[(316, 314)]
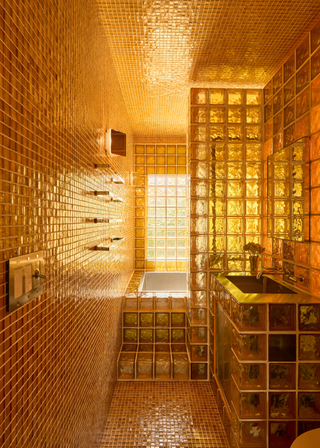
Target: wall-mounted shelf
[(111, 245), (107, 220), (107, 193)]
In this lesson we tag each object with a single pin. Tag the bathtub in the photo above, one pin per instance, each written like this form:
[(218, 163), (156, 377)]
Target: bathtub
[(163, 281)]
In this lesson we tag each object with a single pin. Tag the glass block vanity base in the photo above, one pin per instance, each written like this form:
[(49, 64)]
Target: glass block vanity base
[(266, 369)]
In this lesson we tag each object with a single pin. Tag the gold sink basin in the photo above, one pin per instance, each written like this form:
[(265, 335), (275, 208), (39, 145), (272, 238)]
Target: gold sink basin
[(266, 285)]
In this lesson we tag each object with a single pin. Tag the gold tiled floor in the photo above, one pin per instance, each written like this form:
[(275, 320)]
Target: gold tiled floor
[(164, 415)]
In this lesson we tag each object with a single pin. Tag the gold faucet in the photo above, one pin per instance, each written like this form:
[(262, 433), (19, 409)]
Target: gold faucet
[(266, 271)]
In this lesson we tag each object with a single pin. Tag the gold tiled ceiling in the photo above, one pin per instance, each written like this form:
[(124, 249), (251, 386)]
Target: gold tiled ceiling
[(161, 48)]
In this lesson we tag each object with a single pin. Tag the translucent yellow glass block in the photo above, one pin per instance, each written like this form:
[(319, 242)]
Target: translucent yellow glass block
[(150, 149), (218, 170), (253, 152), (235, 133), (297, 207), (161, 160), (160, 266), (140, 253), (145, 336), (199, 151), (298, 153), (281, 226), (130, 319), (217, 96), (216, 261), (234, 225), (297, 189), (253, 225), (234, 189), (162, 335), (140, 170), (139, 243), (198, 115), (150, 265), (150, 160), (161, 170), (217, 115), (253, 115), (281, 189), (220, 225), (235, 170), (235, 207), (139, 222), (199, 170), (171, 266), (182, 266), (171, 170), (281, 171), (217, 243), (297, 172), (198, 133), (181, 160), (281, 207), (139, 149), (139, 160), (235, 115), (182, 170), (253, 97), (235, 262), (235, 152), (253, 207), (140, 212), (177, 319), (297, 225), (160, 149), (235, 243), (139, 202), (217, 134), (150, 170), (216, 151), (253, 189), (253, 171), (177, 336), (220, 207), (139, 233), (139, 264), (199, 189), (234, 97), (130, 335), (171, 160), (253, 133), (181, 149), (219, 189), (198, 96)]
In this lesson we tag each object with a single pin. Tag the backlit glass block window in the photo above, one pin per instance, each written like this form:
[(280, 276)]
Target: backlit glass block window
[(167, 220)]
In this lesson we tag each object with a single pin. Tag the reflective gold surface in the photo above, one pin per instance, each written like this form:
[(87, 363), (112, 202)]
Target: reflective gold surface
[(243, 298), (161, 48)]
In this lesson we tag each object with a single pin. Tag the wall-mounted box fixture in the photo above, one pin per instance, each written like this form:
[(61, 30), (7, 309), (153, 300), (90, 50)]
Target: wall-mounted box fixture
[(116, 143), (25, 279)]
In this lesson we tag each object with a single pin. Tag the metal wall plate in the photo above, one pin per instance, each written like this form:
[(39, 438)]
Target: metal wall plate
[(24, 285)]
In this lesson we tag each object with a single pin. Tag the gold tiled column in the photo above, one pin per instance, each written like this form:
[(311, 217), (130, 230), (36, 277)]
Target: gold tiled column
[(225, 193)]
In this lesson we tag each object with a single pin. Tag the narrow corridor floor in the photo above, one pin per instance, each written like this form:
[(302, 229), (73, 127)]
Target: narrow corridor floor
[(164, 415)]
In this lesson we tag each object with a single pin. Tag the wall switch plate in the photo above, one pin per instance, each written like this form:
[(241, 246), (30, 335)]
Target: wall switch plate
[(25, 283)]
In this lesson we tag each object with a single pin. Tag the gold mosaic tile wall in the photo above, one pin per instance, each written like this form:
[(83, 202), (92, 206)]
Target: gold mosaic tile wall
[(59, 92), (292, 111), (161, 207)]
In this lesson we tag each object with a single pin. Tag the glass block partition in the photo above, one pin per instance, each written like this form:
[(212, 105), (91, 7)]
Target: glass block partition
[(225, 158), (160, 207)]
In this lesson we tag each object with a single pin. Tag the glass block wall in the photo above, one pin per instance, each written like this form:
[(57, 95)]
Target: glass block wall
[(161, 207), (225, 156), (292, 111)]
